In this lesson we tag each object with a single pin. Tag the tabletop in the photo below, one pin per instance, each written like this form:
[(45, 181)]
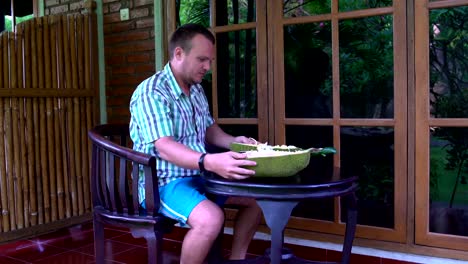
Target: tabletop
[(284, 188)]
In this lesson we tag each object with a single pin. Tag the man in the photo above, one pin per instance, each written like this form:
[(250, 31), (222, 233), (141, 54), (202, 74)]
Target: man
[(170, 119)]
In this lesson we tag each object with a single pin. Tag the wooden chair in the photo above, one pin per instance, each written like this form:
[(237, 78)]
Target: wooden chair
[(115, 191)]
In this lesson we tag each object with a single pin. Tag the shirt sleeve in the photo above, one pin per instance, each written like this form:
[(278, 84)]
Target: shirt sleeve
[(151, 112)]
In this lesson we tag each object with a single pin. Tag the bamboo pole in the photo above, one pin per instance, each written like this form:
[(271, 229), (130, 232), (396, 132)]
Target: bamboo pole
[(50, 119), (89, 125), (29, 125), (42, 123), (50, 158), (9, 148), (62, 113), (79, 21), (3, 180), (20, 37), (23, 180), (88, 110), (9, 163), (84, 155), (75, 60), (69, 27), (6, 79), (36, 122), (17, 182), (37, 158), (57, 161), (15, 58), (71, 153)]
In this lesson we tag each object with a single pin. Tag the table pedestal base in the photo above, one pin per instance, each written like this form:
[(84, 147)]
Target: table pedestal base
[(276, 214), (277, 199)]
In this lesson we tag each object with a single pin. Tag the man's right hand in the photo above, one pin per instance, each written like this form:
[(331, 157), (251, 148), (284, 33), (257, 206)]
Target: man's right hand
[(229, 165)]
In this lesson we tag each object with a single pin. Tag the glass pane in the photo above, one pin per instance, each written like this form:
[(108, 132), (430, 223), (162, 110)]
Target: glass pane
[(367, 152), (366, 67), (193, 12), (241, 130), (235, 130), (298, 8), (308, 78), (448, 62), (234, 12), (449, 181), (306, 137), (349, 5), (237, 74)]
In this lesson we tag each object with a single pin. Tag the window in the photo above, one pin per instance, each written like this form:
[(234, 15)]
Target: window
[(335, 73), (442, 142), (13, 12)]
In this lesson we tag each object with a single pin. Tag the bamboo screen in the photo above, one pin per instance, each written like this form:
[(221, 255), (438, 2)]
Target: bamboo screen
[(47, 105)]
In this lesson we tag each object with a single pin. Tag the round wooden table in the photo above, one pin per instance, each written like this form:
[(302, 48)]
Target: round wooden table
[(277, 197)]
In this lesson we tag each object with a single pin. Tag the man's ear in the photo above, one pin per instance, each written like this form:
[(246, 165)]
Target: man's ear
[(178, 53)]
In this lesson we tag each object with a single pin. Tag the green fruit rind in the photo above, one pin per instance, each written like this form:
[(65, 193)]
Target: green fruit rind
[(239, 147), (280, 165), (278, 161)]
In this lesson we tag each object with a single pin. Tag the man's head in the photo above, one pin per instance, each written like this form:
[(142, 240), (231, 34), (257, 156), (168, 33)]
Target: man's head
[(183, 36), (191, 49)]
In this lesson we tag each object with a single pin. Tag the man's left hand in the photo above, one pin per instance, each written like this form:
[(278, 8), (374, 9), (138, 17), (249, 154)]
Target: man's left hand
[(245, 140)]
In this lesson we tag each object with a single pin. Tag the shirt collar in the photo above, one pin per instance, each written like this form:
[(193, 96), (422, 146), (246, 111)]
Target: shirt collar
[(175, 89)]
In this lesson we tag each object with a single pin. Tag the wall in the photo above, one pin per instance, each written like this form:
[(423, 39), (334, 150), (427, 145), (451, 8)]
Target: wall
[(56, 6), (128, 48)]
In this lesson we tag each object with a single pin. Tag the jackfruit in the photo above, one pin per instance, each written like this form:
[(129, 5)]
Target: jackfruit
[(278, 161)]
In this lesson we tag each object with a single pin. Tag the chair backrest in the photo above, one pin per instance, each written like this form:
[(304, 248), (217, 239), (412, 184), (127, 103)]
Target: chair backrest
[(115, 169)]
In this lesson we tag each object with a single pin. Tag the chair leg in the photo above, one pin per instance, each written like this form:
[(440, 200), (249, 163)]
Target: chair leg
[(98, 241), (154, 240)]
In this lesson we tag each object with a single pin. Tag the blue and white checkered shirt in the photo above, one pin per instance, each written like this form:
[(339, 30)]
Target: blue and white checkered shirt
[(159, 108)]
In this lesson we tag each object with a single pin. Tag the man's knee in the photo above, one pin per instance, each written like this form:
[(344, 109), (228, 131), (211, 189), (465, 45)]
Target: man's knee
[(207, 216)]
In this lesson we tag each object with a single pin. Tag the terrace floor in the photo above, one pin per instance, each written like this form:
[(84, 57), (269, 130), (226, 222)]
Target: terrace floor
[(75, 245)]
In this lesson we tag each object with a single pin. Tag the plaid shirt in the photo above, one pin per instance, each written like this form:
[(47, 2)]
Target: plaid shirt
[(158, 109)]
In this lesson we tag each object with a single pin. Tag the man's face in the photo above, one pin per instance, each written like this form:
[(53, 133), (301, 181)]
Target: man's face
[(197, 62)]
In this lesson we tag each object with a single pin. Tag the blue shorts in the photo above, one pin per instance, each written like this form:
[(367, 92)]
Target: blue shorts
[(179, 197)]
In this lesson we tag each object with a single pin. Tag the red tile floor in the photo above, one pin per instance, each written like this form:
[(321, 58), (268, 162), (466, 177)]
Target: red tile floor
[(75, 245)]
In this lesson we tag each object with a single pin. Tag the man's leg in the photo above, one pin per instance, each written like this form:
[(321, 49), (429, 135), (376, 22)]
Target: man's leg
[(205, 220), (246, 224)]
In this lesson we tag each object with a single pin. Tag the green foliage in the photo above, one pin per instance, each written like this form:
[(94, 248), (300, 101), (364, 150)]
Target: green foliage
[(306, 7), (9, 21), (442, 179), (449, 85), (366, 55), (366, 63), (346, 5), (376, 183), (193, 11), (434, 179)]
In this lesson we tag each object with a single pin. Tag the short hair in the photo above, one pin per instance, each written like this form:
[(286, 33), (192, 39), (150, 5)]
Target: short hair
[(183, 36)]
